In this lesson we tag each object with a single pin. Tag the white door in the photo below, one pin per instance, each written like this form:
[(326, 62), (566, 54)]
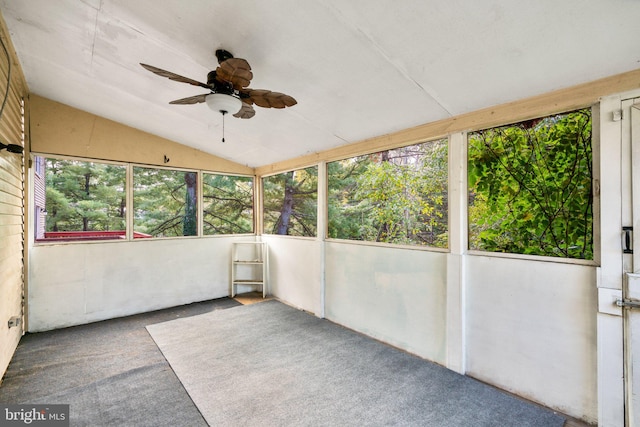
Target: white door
[(631, 247)]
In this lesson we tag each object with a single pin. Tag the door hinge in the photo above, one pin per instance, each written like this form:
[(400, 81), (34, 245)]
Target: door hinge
[(627, 240), (627, 303), (617, 115)]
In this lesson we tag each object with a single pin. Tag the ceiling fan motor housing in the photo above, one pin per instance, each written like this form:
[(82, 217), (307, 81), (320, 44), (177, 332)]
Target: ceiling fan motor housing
[(218, 86)]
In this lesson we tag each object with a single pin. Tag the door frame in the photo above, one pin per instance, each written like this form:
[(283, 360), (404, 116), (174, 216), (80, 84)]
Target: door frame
[(631, 262), (609, 131)]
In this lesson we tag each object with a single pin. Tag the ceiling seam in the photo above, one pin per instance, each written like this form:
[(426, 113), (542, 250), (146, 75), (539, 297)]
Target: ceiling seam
[(339, 15), (95, 34), (403, 72)]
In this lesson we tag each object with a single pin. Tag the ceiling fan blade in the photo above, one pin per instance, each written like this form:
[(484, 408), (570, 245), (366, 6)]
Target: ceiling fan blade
[(173, 76), (190, 100), (236, 71), (246, 112), (268, 99)]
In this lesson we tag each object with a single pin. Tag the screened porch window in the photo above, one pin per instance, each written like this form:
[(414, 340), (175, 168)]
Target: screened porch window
[(530, 187), (228, 204), (79, 200), (291, 203), (165, 202), (394, 196), (84, 200)]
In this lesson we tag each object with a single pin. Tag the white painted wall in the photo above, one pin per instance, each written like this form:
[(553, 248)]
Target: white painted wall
[(71, 284), (396, 295), (531, 330), (295, 271), (529, 325)]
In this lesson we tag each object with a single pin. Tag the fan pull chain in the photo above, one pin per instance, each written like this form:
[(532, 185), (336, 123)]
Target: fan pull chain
[(223, 114)]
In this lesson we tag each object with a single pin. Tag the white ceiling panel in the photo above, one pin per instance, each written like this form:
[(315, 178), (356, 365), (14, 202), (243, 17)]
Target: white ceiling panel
[(357, 68)]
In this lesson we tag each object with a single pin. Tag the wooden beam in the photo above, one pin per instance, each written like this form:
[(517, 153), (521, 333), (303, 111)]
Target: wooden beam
[(572, 98)]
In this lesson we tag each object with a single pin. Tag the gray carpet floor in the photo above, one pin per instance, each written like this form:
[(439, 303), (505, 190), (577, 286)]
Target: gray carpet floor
[(268, 364), (111, 373)]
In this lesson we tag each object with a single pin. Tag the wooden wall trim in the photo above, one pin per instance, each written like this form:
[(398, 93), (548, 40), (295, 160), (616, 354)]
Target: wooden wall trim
[(562, 100)]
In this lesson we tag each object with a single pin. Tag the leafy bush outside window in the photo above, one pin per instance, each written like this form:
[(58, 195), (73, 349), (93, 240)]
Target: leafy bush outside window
[(290, 203), (530, 187), (165, 202), (228, 204), (82, 199), (395, 196)]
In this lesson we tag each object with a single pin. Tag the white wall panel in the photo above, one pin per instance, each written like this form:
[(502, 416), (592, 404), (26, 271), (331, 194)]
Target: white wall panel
[(531, 329), (392, 294), (74, 284), (294, 271)]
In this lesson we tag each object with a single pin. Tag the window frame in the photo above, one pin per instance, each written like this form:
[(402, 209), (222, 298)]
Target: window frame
[(198, 201), (595, 180), (42, 175), (461, 172), (320, 232), (254, 222), (447, 140), (129, 231)]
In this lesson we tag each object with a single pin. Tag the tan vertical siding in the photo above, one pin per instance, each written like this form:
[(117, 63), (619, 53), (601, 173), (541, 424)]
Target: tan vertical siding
[(12, 206)]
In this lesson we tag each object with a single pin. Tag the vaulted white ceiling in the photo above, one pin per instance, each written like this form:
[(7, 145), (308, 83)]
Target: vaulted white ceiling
[(358, 68)]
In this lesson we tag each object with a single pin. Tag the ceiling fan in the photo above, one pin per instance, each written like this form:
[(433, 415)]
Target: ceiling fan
[(228, 86)]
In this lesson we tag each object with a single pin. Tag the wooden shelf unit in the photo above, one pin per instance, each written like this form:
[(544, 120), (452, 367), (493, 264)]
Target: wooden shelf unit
[(249, 265)]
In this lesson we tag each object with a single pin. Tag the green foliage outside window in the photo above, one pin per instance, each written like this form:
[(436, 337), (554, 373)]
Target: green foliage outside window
[(291, 203), (530, 187), (395, 196), (165, 202), (228, 204), (84, 196)]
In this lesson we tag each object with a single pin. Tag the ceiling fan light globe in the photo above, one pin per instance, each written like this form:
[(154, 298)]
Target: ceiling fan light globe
[(223, 103)]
